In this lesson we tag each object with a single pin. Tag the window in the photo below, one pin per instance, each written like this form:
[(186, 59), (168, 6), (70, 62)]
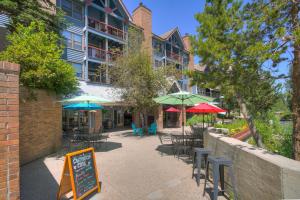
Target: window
[(78, 69), (72, 8), (66, 5), (73, 40)]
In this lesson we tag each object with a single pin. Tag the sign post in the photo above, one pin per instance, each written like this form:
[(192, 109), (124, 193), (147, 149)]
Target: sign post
[(79, 174)]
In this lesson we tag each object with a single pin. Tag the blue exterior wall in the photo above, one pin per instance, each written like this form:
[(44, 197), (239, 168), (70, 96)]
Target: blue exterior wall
[(3, 20), (74, 55)]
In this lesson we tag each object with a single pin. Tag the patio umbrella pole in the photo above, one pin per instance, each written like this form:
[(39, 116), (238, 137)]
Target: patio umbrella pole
[(182, 118)]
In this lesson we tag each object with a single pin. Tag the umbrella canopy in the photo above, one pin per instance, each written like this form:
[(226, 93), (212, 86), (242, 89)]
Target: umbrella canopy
[(172, 109), (86, 98), (83, 106), (182, 98), (205, 108)]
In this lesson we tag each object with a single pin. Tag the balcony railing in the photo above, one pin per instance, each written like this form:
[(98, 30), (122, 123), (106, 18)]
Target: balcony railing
[(174, 56), (101, 54), (106, 28)]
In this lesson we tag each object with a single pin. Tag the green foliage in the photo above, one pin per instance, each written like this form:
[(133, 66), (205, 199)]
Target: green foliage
[(276, 137), (134, 74), (198, 119), (38, 53), (230, 45), (25, 11), (235, 127)]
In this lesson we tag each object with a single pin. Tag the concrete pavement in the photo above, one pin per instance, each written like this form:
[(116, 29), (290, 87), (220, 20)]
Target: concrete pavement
[(130, 168)]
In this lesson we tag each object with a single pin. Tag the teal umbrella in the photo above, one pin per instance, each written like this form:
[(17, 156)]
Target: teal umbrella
[(83, 106), (183, 99)]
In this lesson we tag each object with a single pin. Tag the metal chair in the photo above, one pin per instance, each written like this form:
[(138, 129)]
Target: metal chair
[(218, 164), (179, 145), (198, 154)]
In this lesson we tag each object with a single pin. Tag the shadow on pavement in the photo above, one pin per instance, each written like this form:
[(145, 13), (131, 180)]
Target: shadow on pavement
[(36, 182)]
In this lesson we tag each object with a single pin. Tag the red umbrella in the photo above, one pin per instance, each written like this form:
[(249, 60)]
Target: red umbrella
[(172, 109), (205, 108)]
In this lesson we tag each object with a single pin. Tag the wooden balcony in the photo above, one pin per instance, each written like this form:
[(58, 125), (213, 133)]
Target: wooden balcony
[(101, 54), (106, 28), (174, 56)]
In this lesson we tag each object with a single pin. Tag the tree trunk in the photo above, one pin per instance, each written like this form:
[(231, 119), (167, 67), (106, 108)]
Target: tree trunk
[(296, 87), (243, 108)]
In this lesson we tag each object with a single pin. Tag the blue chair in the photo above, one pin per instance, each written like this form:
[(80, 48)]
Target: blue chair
[(136, 131), (152, 129)]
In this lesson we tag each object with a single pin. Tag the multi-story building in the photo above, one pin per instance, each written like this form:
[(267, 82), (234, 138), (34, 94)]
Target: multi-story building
[(95, 29)]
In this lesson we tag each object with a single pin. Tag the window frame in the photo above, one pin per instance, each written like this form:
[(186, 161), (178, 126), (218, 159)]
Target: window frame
[(72, 63), (73, 4), (72, 40)]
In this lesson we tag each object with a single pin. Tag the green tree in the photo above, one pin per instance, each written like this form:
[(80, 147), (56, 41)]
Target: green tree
[(26, 11), (39, 54), (280, 24), (138, 81), (230, 43)]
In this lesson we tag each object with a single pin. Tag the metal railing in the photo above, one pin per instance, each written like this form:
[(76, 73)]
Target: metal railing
[(106, 28), (174, 56), (101, 54)]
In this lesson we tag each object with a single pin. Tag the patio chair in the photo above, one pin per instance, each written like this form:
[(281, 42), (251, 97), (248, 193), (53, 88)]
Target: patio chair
[(152, 129), (136, 131)]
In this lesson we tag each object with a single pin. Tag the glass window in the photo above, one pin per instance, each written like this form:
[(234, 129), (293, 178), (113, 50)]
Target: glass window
[(78, 69), (66, 6), (72, 8), (77, 41), (77, 10), (73, 40)]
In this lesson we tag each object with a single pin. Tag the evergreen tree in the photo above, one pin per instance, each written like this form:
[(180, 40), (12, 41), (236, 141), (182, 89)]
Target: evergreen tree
[(230, 43)]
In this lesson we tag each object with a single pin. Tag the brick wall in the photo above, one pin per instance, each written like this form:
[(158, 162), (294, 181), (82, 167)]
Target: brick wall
[(9, 131), (40, 124), (142, 16)]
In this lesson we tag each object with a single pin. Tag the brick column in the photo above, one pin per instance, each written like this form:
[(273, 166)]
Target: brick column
[(9, 131)]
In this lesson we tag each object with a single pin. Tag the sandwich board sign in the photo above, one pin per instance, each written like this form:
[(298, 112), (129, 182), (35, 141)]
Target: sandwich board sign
[(79, 174)]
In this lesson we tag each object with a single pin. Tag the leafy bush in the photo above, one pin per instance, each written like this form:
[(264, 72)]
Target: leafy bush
[(276, 137), (235, 127), (39, 54), (197, 119)]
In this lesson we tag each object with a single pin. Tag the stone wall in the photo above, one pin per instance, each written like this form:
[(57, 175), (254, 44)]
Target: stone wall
[(40, 124), (259, 174), (9, 131)]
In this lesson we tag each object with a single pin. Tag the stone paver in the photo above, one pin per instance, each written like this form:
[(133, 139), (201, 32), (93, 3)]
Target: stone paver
[(130, 168)]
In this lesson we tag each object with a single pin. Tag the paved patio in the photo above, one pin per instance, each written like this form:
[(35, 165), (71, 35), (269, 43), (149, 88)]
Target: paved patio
[(130, 168)]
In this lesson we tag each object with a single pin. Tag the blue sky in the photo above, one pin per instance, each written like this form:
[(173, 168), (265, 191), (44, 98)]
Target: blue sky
[(167, 14)]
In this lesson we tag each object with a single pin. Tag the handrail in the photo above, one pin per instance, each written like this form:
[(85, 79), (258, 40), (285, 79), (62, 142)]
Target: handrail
[(111, 54), (109, 29), (174, 56)]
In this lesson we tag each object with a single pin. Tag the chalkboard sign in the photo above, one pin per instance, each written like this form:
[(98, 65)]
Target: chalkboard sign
[(79, 174)]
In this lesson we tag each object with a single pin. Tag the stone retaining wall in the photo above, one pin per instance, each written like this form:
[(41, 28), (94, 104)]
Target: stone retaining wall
[(40, 124), (259, 174)]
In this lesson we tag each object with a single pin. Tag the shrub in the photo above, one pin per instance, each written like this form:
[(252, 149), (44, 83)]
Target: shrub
[(197, 119), (39, 54)]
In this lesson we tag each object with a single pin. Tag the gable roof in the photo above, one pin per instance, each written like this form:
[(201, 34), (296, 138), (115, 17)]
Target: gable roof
[(125, 9), (168, 34), (171, 32)]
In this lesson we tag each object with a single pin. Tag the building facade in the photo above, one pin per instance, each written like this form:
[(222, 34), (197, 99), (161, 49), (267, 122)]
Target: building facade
[(97, 27)]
